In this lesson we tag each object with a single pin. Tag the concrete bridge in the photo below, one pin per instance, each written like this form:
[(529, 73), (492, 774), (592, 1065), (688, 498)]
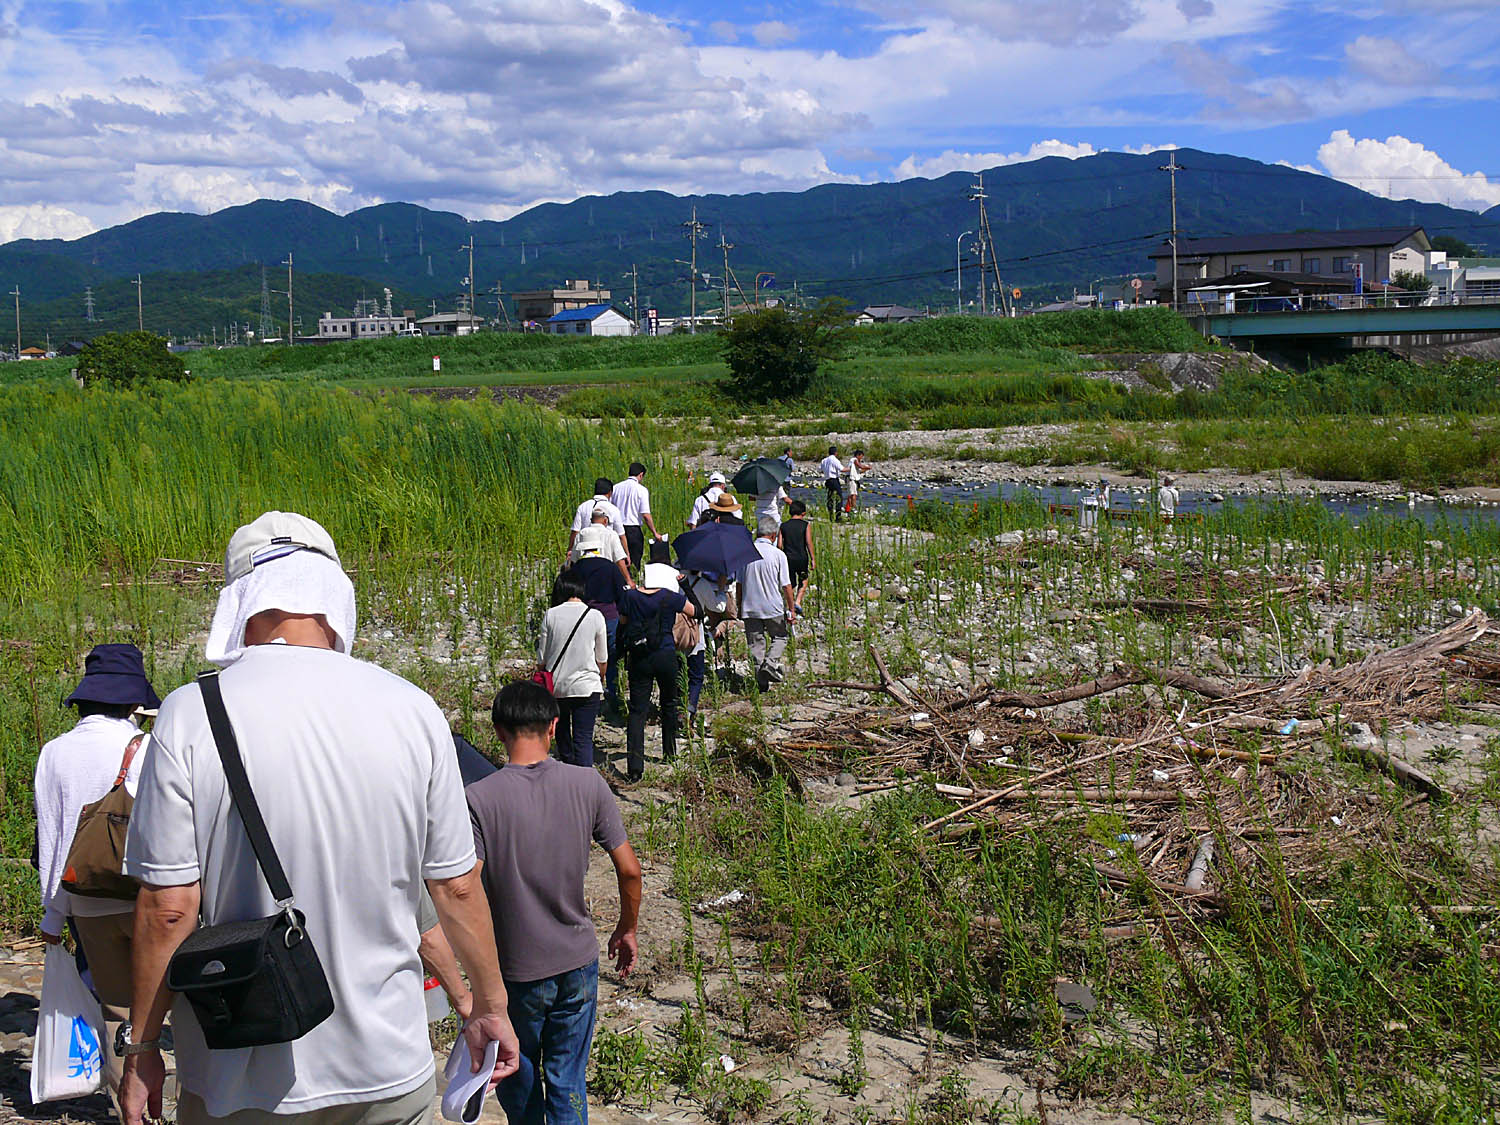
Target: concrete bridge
[(1389, 322)]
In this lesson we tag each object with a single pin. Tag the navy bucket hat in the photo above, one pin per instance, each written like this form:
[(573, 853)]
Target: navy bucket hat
[(114, 674)]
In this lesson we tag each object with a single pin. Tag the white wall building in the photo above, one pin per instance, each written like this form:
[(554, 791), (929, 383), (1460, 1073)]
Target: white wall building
[(591, 320), (332, 327)]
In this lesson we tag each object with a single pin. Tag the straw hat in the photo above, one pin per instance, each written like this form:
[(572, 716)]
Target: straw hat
[(725, 503)]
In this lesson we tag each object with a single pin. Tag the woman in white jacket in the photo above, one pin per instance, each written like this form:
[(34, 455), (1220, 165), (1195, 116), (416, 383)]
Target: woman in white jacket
[(77, 769)]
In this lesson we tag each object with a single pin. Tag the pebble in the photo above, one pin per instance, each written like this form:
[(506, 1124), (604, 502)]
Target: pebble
[(844, 780)]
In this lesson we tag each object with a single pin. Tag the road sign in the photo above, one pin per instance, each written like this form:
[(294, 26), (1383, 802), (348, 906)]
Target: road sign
[(1016, 293), (1135, 283)]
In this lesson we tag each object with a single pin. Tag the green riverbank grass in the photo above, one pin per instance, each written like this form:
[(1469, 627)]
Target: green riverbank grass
[(455, 514)]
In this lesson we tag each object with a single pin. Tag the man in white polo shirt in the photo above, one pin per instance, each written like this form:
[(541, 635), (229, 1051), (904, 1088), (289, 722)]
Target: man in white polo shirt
[(603, 486), (833, 470), (706, 498), (354, 772), (766, 604), (633, 499)]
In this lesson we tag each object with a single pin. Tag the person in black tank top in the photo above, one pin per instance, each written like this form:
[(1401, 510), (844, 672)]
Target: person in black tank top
[(796, 542)]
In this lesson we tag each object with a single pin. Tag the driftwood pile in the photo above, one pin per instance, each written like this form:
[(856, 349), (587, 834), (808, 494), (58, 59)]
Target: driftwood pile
[(1195, 767)]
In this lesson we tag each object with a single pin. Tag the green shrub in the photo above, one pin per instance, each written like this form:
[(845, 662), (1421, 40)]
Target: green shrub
[(775, 354), (127, 359)]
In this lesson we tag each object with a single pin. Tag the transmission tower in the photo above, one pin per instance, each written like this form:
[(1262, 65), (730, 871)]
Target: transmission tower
[(88, 303), (267, 329)]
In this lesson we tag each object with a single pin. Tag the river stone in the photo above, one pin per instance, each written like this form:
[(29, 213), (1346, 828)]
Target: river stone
[(844, 780)]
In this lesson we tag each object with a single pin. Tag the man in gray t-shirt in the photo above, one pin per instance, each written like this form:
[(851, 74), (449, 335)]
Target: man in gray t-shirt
[(533, 824)]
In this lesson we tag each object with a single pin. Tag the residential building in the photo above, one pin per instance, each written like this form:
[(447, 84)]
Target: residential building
[(450, 324), (887, 314), (1371, 255), (591, 320), (33, 353), (541, 305), (332, 327)]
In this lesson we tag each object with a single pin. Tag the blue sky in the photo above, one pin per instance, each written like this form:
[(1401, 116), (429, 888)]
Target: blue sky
[(114, 109)]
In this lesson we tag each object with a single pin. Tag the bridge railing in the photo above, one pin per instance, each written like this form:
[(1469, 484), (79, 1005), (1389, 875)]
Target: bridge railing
[(1328, 302)]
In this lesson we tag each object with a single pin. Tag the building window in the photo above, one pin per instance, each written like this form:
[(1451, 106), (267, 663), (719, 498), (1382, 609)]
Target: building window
[(1312, 265), (582, 327), (1239, 267), (1281, 265), (1343, 265)]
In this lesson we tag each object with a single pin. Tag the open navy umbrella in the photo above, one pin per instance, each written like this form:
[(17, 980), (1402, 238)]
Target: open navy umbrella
[(717, 548), (761, 477)]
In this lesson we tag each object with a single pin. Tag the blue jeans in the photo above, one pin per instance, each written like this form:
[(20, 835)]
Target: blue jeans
[(697, 672), (575, 728), (612, 671), (554, 1020)]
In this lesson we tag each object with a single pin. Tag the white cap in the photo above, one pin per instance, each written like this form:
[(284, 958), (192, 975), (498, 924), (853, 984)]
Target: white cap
[(717, 478), (273, 536)]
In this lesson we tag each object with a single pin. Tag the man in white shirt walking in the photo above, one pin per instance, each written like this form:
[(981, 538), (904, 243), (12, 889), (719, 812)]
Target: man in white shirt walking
[(766, 605), (603, 486), (354, 772), (1167, 497), (633, 499), (833, 471), (706, 498)]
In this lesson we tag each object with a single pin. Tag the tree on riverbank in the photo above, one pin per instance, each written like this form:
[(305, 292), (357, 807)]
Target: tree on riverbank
[(776, 353)]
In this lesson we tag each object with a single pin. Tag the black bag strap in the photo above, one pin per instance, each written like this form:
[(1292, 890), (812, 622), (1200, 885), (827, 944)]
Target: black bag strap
[(564, 650), (240, 794)]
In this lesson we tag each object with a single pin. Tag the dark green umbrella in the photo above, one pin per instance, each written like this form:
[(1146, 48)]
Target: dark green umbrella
[(761, 477)]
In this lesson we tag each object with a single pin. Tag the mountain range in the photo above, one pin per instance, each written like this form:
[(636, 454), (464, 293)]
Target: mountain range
[(1059, 225)]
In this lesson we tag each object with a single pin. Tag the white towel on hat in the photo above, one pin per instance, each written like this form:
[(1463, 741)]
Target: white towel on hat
[(302, 582)]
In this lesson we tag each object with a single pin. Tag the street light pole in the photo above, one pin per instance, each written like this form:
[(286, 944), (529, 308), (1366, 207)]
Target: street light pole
[(140, 311), (16, 293), (958, 254)]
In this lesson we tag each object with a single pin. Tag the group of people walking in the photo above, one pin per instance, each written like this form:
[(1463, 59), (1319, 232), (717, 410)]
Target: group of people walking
[(300, 793), (407, 852), (619, 600)]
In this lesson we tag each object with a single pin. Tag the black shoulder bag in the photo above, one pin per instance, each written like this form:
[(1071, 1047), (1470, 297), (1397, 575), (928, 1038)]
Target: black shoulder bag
[(256, 982)]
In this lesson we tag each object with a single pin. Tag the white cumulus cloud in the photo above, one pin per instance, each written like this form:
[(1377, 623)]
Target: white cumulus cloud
[(1398, 168), (953, 161), (40, 220)]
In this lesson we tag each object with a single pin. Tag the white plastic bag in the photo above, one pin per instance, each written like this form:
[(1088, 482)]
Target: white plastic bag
[(67, 1060)]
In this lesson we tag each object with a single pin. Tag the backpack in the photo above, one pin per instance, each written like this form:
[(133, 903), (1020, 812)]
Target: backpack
[(93, 866), (637, 635), (687, 631)]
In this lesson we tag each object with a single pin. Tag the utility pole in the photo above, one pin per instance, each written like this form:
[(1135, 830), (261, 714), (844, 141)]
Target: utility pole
[(470, 279), (958, 253), (726, 247), (987, 252), (291, 333), (267, 325), (635, 305), (695, 231), (1173, 167), (140, 308), (16, 293), (500, 304)]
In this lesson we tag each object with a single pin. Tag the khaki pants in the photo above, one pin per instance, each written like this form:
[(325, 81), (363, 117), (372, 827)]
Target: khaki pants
[(106, 946), (414, 1108)]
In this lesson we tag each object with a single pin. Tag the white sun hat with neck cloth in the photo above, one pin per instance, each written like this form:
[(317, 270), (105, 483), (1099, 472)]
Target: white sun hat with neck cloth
[(281, 561)]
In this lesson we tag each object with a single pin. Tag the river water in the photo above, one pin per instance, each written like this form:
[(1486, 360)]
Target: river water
[(891, 495)]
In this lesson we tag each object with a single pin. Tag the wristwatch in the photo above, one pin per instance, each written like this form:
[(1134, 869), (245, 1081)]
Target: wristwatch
[(124, 1047)]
